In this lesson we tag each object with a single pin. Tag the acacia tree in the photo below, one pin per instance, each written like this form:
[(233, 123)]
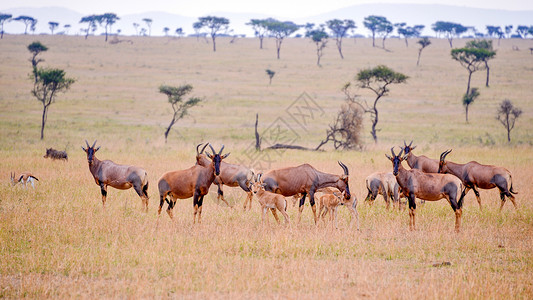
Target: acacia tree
[(372, 23), (91, 24), (280, 30), (377, 80), (35, 48), (409, 32), (4, 18), (522, 31), (260, 29), (48, 83), (270, 74), (320, 38), (339, 30), (449, 29), (107, 20), (148, 22), (27, 20), (472, 59), (424, 42), (507, 115), (214, 25), (345, 131), (487, 45), (53, 26), (67, 28), (469, 98), (179, 105)]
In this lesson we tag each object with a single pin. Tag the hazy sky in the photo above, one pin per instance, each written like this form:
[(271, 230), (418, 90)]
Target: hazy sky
[(281, 8)]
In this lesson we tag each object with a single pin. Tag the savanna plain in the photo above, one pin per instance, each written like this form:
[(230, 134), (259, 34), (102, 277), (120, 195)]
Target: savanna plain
[(57, 241)]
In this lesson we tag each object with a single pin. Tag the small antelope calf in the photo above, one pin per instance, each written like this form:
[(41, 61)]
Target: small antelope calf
[(330, 200), (270, 200), (23, 178)]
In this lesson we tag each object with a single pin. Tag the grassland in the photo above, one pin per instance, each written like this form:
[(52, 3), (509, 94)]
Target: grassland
[(57, 242)]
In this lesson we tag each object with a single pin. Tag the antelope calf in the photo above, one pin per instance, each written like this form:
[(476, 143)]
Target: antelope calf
[(426, 186), (270, 200), (384, 184), (56, 154), (329, 202), (474, 174), (23, 178), (107, 173), (192, 182)]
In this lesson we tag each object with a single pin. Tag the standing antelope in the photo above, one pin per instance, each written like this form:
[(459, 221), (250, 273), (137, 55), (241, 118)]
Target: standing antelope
[(305, 179), (427, 186), (474, 174), (192, 182), (122, 177), (23, 178), (422, 163), (384, 184), (330, 201), (270, 200), (230, 175)]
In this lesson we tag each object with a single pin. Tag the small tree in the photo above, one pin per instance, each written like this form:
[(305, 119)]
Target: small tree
[(280, 30), (409, 32), (472, 59), (345, 131), (166, 30), (35, 48), (377, 80), (507, 115), (48, 83), (469, 99), (27, 20), (179, 105), (52, 26), (107, 20), (270, 74), (179, 32), (339, 30), (67, 28), (4, 18), (487, 45), (424, 42), (449, 29), (136, 26), (320, 38), (149, 25), (91, 24), (260, 29), (214, 26), (376, 24)]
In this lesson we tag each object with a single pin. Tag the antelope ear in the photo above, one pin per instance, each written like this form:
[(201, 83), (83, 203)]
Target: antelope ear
[(209, 155), (225, 155), (83, 149), (97, 149), (388, 156), (405, 156), (413, 148)]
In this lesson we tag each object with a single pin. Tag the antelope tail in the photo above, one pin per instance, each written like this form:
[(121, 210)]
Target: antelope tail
[(511, 190), (34, 178)]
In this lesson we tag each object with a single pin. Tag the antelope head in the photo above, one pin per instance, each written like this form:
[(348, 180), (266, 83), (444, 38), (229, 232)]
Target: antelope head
[(257, 186), (342, 184), (396, 160), (90, 151), (200, 157), (408, 148), (216, 158), (442, 162)]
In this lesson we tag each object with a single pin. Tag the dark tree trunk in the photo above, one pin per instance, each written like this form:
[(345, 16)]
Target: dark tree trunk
[(374, 124), (418, 60), (43, 121), (260, 43), (339, 46), (488, 72), (468, 85), (257, 138), (466, 107), (214, 44), (170, 127)]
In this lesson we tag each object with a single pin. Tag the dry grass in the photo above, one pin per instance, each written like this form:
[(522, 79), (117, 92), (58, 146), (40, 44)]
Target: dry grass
[(57, 242)]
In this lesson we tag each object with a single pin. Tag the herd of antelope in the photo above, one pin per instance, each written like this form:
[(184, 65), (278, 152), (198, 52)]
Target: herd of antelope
[(427, 179)]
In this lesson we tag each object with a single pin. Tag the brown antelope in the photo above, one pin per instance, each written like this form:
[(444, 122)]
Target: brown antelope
[(474, 174), (23, 178), (107, 173), (384, 184), (270, 200), (427, 186), (329, 202), (56, 154), (230, 175), (422, 163), (305, 179), (192, 182)]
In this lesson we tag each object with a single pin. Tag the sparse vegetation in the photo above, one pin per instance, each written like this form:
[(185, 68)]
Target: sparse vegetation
[(179, 105), (507, 115)]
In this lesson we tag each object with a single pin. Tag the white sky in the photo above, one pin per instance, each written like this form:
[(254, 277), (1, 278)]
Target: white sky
[(281, 8)]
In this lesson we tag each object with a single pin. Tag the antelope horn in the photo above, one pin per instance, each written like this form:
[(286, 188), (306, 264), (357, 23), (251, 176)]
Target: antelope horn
[(220, 152), (94, 144), (87, 144), (202, 151), (443, 155), (401, 151), (404, 143), (411, 143), (198, 147), (344, 167), (392, 151), (212, 150)]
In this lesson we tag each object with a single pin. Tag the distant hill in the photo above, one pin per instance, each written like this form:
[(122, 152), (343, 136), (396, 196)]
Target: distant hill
[(425, 14)]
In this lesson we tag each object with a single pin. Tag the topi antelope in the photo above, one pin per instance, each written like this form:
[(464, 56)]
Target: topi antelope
[(384, 184), (474, 174), (192, 182), (23, 178), (422, 163), (230, 175), (427, 186), (122, 177), (270, 200), (305, 179), (330, 201), (55, 154)]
